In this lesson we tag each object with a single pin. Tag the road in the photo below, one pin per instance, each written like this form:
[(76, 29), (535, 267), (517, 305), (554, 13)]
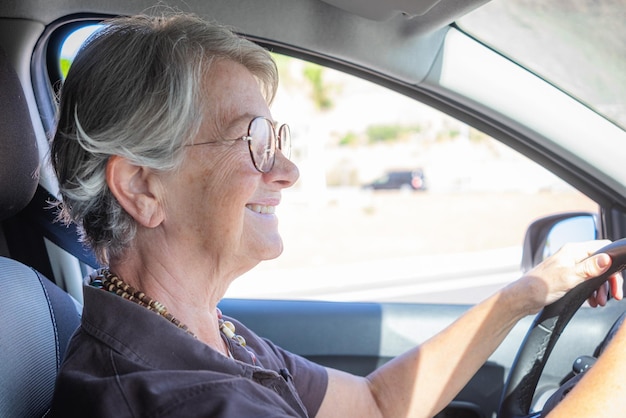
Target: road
[(406, 247), (459, 278)]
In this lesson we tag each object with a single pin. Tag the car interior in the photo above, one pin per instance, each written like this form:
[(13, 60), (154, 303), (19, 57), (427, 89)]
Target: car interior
[(415, 48), (39, 317)]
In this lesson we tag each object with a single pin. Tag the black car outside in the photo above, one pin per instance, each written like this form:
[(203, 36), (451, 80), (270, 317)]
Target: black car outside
[(403, 180)]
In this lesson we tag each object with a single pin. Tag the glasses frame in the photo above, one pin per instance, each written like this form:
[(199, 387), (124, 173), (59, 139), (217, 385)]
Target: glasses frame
[(276, 141)]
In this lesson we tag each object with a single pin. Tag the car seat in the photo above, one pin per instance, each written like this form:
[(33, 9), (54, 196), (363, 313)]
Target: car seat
[(38, 318)]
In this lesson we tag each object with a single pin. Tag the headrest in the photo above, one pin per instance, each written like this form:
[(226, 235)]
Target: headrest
[(19, 157)]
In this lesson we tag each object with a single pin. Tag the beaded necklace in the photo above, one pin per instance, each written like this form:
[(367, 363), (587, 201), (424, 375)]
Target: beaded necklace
[(108, 281)]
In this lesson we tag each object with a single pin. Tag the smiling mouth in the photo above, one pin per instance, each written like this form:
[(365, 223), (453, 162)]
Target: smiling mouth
[(262, 209)]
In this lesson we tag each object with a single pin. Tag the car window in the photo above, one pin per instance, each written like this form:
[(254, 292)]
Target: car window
[(565, 42), (396, 201), (71, 45)]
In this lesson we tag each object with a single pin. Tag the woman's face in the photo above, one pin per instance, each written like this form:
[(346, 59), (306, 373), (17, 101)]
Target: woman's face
[(219, 209)]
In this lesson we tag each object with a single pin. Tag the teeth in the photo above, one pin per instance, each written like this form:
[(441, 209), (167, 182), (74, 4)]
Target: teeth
[(262, 209)]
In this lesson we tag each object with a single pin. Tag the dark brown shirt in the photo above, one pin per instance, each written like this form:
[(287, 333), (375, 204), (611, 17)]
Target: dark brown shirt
[(126, 361)]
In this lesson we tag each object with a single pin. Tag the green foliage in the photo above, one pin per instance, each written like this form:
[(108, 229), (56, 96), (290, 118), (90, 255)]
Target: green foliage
[(449, 131), (65, 66), (283, 63), (349, 139), (387, 133), (454, 133), (477, 136), (321, 91)]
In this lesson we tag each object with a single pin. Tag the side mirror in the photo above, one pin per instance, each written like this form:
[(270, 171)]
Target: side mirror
[(547, 235)]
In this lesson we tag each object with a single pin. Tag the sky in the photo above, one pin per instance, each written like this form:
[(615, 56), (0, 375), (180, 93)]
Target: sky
[(75, 40)]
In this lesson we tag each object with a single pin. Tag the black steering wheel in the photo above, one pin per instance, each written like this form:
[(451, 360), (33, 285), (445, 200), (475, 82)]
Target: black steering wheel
[(544, 333)]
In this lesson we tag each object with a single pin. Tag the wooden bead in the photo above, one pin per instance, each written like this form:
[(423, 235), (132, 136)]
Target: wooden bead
[(228, 332), (229, 325), (241, 340)]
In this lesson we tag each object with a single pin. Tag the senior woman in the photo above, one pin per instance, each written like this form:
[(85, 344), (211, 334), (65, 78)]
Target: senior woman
[(168, 158)]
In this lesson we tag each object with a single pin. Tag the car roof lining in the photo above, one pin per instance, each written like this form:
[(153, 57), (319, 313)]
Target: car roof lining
[(422, 13), (419, 15), (416, 40)]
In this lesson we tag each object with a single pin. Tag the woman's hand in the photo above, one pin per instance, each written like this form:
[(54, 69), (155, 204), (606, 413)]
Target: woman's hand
[(568, 267), (422, 381)]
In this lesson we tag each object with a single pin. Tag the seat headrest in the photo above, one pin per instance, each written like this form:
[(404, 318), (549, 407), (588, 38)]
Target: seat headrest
[(19, 158)]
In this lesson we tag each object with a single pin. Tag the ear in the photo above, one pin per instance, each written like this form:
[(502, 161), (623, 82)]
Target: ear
[(137, 189)]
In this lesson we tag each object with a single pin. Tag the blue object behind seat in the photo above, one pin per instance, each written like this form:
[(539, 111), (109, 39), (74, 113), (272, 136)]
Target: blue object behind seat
[(38, 318)]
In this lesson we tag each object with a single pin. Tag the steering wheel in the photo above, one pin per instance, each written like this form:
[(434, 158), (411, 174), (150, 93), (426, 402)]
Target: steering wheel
[(543, 335)]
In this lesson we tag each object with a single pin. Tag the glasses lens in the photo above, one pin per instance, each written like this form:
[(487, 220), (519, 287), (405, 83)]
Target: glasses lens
[(284, 141), (263, 144)]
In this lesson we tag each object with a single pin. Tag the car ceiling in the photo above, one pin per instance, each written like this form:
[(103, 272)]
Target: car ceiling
[(438, 12), (366, 27)]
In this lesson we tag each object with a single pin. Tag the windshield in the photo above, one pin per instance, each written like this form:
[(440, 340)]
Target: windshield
[(578, 45)]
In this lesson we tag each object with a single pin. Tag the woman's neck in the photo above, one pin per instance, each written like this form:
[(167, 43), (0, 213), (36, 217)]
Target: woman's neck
[(191, 298)]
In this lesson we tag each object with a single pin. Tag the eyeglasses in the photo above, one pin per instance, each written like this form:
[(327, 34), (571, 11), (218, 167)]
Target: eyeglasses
[(263, 140)]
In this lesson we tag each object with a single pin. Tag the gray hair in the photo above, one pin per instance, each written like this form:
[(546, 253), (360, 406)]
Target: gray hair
[(134, 90)]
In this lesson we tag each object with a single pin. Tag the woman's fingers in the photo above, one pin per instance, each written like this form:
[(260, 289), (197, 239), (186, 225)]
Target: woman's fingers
[(616, 283), (600, 296), (571, 265), (594, 266), (612, 287)]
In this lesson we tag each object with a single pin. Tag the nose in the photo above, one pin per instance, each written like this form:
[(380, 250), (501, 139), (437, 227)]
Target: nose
[(284, 172)]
